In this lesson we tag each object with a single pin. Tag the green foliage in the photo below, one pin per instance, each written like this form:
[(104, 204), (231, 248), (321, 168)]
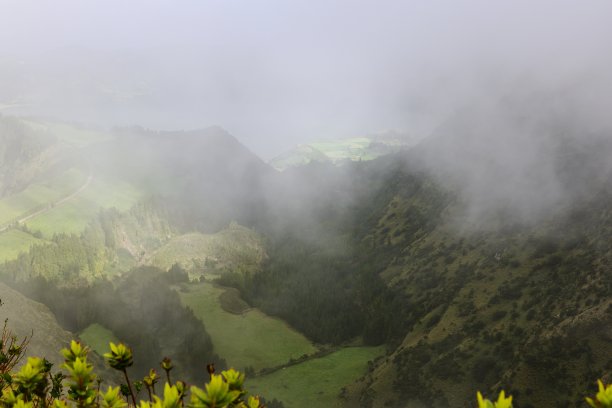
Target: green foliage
[(603, 399), (216, 394), (112, 399), (29, 380), (142, 310), (82, 378), (502, 401), (76, 350), (67, 258), (34, 386), (120, 356), (11, 350)]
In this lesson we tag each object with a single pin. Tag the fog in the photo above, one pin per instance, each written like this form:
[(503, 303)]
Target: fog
[(174, 110), (277, 73)]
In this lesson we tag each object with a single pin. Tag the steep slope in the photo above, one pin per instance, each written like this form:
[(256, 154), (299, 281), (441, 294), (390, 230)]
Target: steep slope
[(27, 317), (507, 278), (525, 308), (469, 293)]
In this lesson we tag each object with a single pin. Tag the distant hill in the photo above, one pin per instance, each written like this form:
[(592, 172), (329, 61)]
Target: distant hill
[(342, 150), (205, 178)]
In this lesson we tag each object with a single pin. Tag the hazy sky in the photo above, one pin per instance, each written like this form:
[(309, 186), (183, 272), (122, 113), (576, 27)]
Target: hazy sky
[(276, 73)]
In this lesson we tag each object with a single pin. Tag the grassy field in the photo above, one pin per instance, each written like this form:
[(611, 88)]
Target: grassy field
[(40, 194), (13, 242), (97, 337), (316, 382), (74, 215), (251, 339)]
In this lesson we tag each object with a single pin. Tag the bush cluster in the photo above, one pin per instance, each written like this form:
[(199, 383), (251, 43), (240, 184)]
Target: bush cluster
[(35, 386)]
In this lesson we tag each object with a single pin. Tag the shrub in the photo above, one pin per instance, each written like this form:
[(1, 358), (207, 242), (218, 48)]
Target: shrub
[(34, 386)]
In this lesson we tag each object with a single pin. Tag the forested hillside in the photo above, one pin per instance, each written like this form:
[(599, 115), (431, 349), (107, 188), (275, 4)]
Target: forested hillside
[(465, 297), (400, 252)]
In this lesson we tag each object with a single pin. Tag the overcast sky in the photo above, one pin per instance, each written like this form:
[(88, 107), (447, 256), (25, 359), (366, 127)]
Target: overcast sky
[(277, 73)]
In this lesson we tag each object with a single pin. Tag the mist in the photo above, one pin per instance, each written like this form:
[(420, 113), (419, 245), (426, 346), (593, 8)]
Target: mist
[(524, 151), (275, 74), (161, 184)]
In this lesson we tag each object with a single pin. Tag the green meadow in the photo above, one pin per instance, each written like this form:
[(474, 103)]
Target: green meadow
[(252, 339), (316, 382), (97, 338), (40, 195), (73, 215)]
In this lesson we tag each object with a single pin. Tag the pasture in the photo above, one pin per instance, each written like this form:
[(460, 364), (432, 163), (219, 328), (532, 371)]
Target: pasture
[(97, 338), (251, 339), (73, 215), (316, 382)]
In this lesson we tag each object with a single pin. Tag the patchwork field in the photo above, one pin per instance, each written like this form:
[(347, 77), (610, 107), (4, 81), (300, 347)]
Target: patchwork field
[(252, 339), (317, 382)]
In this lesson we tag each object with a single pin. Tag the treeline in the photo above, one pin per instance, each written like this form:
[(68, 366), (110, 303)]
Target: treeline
[(141, 309), (79, 258), (69, 257)]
